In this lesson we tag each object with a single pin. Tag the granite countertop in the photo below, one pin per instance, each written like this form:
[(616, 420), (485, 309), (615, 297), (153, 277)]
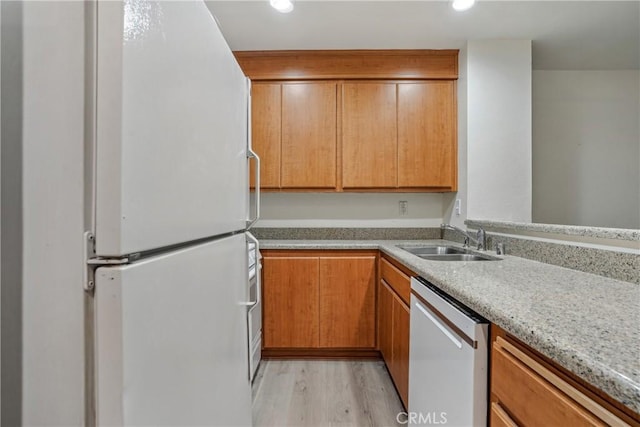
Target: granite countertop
[(569, 230), (588, 324)]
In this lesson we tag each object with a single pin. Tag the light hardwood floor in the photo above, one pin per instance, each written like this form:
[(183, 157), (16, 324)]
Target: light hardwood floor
[(324, 393)]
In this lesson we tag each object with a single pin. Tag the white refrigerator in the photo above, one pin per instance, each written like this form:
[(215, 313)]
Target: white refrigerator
[(168, 253)]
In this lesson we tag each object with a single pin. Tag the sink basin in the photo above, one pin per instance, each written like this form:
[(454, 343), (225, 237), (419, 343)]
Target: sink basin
[(458, 257), (433, 250), (446, 253)]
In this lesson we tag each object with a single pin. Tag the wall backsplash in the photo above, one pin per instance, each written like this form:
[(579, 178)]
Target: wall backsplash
[(349, 210), (346, 233), (613, 264), (621, 263)]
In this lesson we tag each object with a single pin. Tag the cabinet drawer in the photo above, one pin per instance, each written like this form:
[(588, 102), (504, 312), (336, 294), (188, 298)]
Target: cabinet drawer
[(531, 399), (400, 282)]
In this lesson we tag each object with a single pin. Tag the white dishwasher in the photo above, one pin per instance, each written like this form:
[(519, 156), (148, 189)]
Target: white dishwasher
[(448, 360)]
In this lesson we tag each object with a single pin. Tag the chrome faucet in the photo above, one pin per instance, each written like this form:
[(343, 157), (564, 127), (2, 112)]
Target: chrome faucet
[(480, 240)]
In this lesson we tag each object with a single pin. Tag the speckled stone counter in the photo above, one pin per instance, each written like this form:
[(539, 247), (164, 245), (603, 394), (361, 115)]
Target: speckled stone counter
[(569, 230), (586, 323), (608, 252), (617, 265)]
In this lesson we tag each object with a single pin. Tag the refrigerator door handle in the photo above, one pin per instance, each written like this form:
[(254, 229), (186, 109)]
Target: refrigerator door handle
[(259, 283), (252, 155), (258, 275)]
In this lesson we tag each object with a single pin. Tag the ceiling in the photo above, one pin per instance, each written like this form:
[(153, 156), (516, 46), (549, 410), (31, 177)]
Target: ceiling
[(566, 35)]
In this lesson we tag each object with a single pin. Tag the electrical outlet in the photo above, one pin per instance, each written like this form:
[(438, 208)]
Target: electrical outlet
[(458, 207), (403, 206)]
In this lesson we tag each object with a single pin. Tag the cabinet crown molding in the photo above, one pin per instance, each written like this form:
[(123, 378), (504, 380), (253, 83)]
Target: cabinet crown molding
[(349, 64)]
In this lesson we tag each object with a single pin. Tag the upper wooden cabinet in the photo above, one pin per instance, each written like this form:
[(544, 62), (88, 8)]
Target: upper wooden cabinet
[(266, 114), (308, 135), (369, 130), (412, 64), (399, 135), (294, 133), (427, 136), (386, 122)]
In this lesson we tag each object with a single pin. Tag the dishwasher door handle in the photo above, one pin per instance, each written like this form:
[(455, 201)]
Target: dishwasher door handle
[(439, 325)]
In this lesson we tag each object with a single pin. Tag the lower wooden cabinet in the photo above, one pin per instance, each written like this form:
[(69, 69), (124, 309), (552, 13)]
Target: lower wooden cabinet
[(400, 348), (393, 325), (385, 321), (319, 300), (347, 301), (527, 390), (530, 398), (290, 301)]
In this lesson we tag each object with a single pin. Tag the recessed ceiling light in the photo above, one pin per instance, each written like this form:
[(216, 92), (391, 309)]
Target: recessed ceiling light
[(284, 6), (460, 5)]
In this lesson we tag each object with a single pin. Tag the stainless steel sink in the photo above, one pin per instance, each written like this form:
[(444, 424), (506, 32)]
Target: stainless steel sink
[(433, 250), (458, 257), (447, 253)]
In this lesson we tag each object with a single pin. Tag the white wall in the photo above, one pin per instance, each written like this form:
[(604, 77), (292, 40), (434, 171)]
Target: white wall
[(349, 210), (499, 130), (586, 148), (53, 213), (449, 215)]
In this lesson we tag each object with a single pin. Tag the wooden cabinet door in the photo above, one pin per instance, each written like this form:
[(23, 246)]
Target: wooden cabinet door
[(290, 302), (347, 302), (309, 116), (385, 321), (266, 101), (400, 350), (369, 135), (427, 136)]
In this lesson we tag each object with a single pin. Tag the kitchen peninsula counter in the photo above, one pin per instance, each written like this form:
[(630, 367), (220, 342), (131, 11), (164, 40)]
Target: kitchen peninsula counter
[(588, 324)]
